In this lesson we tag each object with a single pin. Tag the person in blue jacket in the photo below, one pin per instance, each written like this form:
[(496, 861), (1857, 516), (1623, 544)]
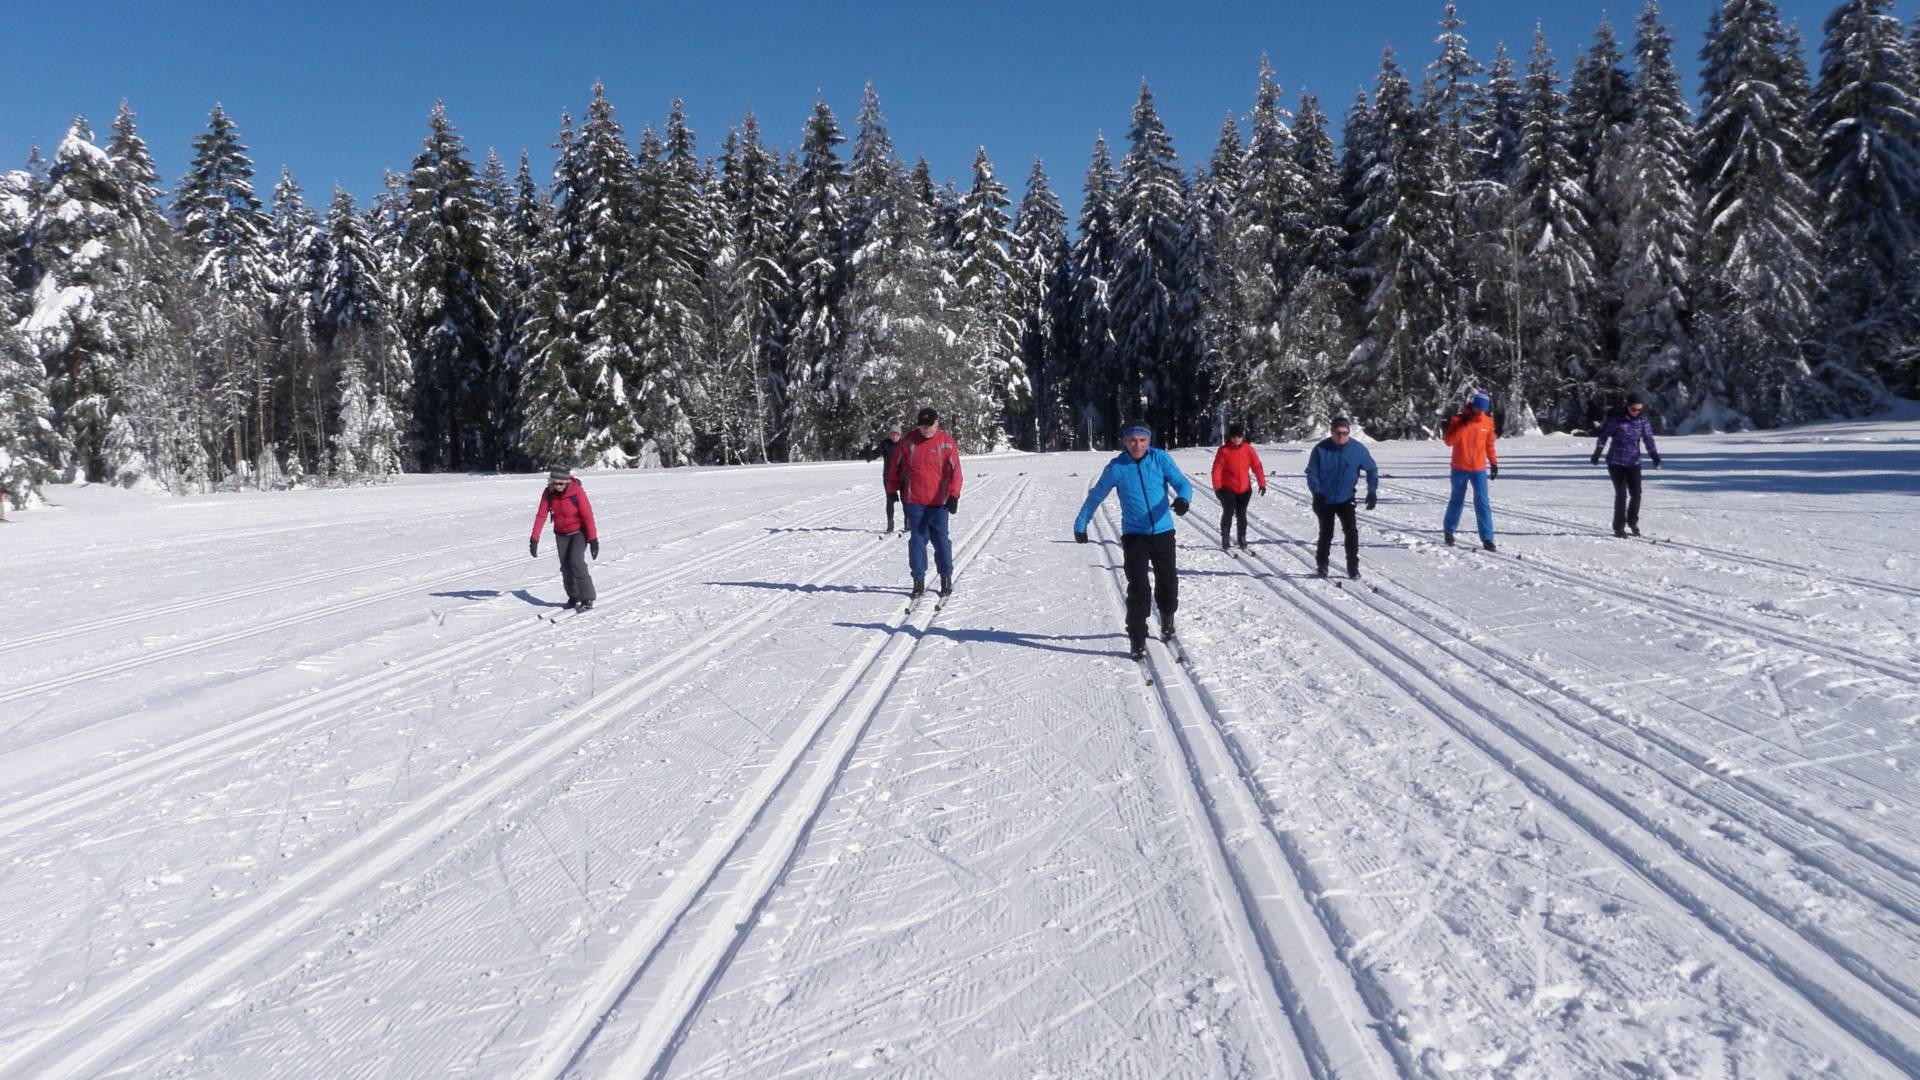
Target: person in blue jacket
[(1141, 475), (1333, 475)]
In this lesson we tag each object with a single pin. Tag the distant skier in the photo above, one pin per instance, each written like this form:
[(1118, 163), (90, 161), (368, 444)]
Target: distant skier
[(1141, 474), (1233, 464), (1628, 429), (1470, 433), (574, 533), (884, 450), (1333, 475), (925, 471)]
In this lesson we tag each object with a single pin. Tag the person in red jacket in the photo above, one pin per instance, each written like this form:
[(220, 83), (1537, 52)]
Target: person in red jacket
[(573, 533), (1233, 464), (1470, 433), (925, 473)]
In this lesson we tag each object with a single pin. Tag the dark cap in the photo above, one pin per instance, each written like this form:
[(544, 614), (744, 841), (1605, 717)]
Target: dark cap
[(927, 416), (1636, 399), (1236, 430), (1340, 423), (560, 472)]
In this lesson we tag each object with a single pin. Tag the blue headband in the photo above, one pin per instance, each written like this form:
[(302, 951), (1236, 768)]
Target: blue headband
[(1141, 430)]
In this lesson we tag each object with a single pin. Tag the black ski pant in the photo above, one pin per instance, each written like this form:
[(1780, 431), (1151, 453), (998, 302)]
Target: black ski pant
[(893, 498), (1326, 512), (1233, 508), (1626, 495), (573, 565), (1142, 553)]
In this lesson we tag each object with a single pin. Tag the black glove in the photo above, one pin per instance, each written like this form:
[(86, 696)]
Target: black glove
[(953, 504), (1079, 538), (1596, 457), (593, 548), (1656, 461), (1180, 506), (1372, 498), (1319, 503), (1263, 490), (1493, 472), (533, 548)]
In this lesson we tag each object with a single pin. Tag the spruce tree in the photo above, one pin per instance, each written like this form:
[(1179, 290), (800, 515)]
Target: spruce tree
[(1042, 291), (1654, 274), (1599, 119), (990, 325), (817, 261), (1096, 366), (1218, 269), (453, 298), (1156, 370), (31, 447), (754, 196), (1867, 183), (219, 214), (1758, 242)]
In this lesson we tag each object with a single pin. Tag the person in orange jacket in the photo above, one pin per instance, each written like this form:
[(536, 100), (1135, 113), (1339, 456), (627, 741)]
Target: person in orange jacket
[(1233, 464), (1470, 433)]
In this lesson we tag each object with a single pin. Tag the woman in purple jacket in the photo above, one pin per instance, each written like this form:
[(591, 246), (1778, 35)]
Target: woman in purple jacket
[(1627, 429)]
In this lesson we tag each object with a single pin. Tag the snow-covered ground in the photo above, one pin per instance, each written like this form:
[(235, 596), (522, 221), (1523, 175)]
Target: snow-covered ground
[(297, 785)]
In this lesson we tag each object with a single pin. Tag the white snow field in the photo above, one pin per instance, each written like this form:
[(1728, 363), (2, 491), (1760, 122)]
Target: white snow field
[(298, 785)]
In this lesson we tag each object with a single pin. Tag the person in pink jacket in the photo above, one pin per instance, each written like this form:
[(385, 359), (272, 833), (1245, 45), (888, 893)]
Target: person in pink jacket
[(573, 533)]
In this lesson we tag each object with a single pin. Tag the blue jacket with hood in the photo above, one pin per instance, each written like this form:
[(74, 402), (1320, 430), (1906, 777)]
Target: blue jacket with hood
[(1333, 471), (1142, 485)]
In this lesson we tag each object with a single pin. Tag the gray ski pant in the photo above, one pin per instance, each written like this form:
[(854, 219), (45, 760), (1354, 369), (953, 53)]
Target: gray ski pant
[(573, 565)]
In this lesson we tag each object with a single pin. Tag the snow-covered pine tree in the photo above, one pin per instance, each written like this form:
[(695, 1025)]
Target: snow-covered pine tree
[(1654, 276), (989, 321), (356, 332), (453, 299), (1758, 242), (1457, 99), (904, 345), (664, 271), (1267, 244), (1323, 234), (1042, 286), (301, 392), (1452, 103), (1599, 119), (1403, 366), (1216, 269), (1867, 182), (1496, 136), (1295, 387), (1155, 350), (1096, 251), (1553, 242), (519, 229), (570, 406), (817, 260), (873, 176), (71, 241), (31, 447), (754, 194)]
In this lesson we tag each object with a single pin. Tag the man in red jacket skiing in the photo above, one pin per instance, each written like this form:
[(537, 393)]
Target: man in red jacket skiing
[(925, 472), (573, 533)]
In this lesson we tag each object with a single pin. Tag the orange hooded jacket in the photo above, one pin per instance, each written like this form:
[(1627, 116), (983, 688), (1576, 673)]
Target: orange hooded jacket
[(1472, 440)]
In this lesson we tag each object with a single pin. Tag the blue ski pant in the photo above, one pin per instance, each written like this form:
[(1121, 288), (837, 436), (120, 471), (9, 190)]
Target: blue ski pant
[(1482, 507), (926, 523)]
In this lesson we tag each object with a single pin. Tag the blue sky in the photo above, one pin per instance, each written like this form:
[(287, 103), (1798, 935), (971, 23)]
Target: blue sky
[(339, 92)]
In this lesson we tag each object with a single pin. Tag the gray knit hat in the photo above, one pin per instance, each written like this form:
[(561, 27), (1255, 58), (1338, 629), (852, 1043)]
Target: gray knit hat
[(560, 472)]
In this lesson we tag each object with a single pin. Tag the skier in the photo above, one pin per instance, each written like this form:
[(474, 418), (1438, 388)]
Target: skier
[(884, 450), (1141, 474), (1628, 429), (1333, 476), (573, 533), (1233, 463), (1470, 433), (925, 471)]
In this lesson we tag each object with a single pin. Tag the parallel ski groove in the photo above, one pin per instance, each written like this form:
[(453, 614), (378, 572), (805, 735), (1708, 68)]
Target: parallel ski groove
[(791, 819), (1305, 986), (116, 779), (1834, 997), (88, 1036)]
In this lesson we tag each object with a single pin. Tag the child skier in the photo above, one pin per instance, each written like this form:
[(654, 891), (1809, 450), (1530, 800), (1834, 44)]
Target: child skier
[(574, 533), (1233, 463), (1333, 476), (884, 450), (1628, 429), (1142, 474), (1470, 433)]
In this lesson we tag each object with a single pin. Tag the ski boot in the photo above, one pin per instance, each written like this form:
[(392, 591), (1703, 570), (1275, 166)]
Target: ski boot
[(1449, 538), (1633, 527), (946, 586), (1137, 648), (919, 588), (1320, 570), (1621, 533), (1166, 628), (1353, 571), (1488, 544), (585, 605)]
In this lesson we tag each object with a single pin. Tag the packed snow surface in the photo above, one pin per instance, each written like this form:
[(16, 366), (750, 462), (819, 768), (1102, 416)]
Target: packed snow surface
[(299, 785)]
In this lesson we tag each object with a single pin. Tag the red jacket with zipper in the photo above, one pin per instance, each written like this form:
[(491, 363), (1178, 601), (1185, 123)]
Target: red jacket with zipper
[(925, 470), (1231, 466), (570, 509)]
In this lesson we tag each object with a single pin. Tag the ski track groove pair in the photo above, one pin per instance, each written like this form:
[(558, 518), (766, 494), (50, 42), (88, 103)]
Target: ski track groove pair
[(326, 705), (97, 1028), (1856, 1007), (1318, 1015), (714, 870)]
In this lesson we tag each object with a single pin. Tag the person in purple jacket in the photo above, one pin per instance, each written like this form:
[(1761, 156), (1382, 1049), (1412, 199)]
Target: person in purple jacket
[(1627, 430)]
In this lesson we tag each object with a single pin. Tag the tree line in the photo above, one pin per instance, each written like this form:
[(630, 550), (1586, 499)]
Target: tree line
[(1559, 242)]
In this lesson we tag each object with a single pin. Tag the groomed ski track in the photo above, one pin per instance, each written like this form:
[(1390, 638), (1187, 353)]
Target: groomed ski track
[(315, 795)]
